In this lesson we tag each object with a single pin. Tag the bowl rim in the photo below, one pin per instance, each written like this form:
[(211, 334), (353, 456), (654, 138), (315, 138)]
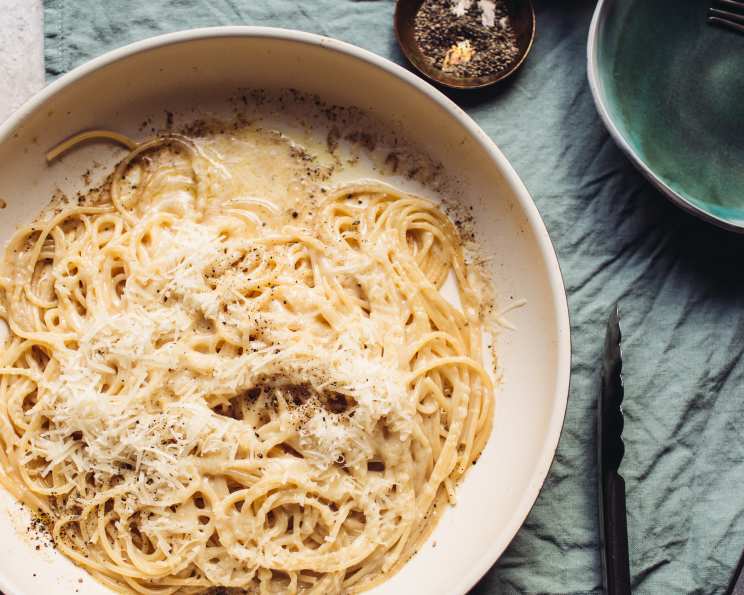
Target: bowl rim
[(597, 89), (559, 299)]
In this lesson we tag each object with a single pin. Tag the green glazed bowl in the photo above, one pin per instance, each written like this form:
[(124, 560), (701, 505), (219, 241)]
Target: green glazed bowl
[(670, 89)]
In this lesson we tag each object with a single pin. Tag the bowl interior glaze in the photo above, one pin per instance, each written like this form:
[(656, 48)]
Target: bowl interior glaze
[(671, 86)]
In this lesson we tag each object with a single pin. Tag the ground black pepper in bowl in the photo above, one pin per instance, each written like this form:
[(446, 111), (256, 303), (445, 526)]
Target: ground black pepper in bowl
[(466, 38)]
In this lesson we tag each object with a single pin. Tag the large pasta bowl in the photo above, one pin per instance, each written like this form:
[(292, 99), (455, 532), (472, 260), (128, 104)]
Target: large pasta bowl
[(201, 68)]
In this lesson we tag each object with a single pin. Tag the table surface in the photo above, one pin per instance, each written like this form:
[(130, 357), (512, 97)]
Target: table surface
[(21, 58)]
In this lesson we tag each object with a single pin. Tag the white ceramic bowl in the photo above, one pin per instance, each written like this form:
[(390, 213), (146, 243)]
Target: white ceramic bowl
[(120, 89)]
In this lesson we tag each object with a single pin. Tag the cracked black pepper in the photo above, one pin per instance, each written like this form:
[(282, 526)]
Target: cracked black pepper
[(466, 38)]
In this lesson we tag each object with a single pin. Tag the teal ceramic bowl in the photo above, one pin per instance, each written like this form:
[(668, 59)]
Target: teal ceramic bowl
[(670, 89)]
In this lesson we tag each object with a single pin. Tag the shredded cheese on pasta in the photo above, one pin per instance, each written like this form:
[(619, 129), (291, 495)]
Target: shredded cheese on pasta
[(207, 389)]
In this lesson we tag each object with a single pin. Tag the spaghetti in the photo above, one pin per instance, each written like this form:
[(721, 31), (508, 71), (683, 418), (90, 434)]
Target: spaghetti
[(202, 388)]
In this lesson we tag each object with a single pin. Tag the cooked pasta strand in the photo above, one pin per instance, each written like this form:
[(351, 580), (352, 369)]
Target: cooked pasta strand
[(202, 389)]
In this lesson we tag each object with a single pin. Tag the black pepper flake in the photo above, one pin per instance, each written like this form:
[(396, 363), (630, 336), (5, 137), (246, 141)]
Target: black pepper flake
[(484, 49)]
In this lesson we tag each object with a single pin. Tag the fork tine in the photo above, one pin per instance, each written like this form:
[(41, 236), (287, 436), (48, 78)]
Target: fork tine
[(731, 4), (725, 15), (726, 23)]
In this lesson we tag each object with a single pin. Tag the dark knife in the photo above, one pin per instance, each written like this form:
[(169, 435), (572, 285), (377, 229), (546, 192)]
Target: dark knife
[(613, 529), (736, 587)]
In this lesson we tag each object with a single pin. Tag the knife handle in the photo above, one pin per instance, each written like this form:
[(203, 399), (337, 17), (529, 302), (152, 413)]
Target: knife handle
[(615, 532)]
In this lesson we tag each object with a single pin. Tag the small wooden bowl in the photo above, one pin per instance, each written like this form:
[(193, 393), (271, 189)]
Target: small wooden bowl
[(523, 21)]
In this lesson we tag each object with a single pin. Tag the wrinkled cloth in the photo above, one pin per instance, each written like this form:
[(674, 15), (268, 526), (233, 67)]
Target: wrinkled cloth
[(679, 281)]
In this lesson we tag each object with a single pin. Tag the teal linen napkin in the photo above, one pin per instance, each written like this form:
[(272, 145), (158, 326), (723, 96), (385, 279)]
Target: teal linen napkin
[(680, 284)]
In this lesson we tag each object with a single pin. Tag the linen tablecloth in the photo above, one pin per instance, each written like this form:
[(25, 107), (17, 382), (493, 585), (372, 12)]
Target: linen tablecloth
[(680, 284)]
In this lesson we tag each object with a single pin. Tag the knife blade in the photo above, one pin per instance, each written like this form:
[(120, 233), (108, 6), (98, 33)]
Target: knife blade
[(613, 529), (736, 586)]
